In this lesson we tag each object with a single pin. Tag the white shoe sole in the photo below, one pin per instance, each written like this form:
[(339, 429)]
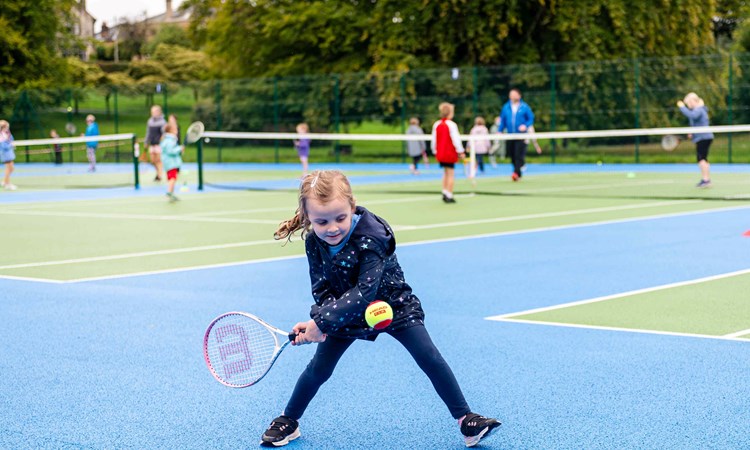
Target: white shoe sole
[(471, 441), (288, 439)]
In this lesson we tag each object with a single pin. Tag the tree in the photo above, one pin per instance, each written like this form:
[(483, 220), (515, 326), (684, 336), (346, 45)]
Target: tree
[(170, 35), (33, 32)]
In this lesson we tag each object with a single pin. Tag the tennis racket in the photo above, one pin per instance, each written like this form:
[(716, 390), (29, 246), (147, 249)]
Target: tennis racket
[(670, 142), (240, 348), (194, 132)]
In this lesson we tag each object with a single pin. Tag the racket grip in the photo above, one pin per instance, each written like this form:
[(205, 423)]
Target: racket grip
[(292, 336)]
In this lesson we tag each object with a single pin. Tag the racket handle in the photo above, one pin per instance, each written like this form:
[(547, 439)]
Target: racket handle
[(292, 336)]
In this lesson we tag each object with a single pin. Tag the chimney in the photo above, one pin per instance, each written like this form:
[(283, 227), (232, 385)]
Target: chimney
[(169, 9)]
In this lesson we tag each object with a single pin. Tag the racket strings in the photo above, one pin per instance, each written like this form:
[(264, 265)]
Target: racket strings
[(240, 350)]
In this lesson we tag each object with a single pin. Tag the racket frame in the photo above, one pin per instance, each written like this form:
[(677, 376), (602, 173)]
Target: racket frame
[(192, 137), (280, 345)]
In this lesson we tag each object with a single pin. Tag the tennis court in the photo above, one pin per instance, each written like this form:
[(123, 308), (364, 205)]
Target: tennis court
[(589, 306)]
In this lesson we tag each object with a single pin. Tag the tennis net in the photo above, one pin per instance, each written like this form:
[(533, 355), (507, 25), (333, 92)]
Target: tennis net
[(65, 162)]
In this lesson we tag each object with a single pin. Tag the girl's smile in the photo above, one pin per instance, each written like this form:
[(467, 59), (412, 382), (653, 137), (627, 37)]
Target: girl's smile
[(330, 221)]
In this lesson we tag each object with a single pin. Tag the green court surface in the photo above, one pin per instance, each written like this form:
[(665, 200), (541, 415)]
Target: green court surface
[(75, 240), (717, 306)]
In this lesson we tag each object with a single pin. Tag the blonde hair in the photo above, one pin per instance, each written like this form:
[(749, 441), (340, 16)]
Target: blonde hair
[(479, 120), (323, 186), (91, 117), (156, 109), (4, 125), (303, 128), (692, 99), (446, 109), (414, 121)]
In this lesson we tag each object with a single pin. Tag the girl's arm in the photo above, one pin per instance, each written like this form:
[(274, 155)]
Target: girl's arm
[(333, 313), (693, 114)]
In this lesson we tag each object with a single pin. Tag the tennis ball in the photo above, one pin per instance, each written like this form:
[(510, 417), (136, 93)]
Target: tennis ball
[(70, 108), (379, 314)]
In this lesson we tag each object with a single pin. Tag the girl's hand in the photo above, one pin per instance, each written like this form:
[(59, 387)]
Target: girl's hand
[(307, 333), (680, 104), (522, 128)]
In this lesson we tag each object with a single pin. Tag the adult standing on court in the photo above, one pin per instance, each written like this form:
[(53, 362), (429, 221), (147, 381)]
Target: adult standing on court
[(415, 149), (695, 110), (154, 132), (516, 116)]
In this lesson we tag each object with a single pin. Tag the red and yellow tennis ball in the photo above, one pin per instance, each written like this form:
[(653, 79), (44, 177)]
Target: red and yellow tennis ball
[(379, 314)]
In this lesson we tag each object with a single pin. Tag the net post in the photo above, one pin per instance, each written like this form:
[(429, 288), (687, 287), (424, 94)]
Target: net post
[(136, 154), (637, 108), (402, 84), (200, 164), (553, 100), (729, 108), (276, 118)]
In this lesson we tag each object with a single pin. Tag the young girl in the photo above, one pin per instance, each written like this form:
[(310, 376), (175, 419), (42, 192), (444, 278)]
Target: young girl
[(303, 146), (447, 147), (415, 149), (695, 110), (482, 147), (7, 154), (171, 158), (92, 129), (352, 263)]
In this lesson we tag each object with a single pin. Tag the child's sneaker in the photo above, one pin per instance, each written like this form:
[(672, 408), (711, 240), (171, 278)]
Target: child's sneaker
[(475, 427), (514, 177), (10, 187), (283, 430), (172, 198), (704, 184)]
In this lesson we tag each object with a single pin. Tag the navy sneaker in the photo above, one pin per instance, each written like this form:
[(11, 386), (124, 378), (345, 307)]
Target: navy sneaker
[(282, 431), (475, 428), (704, 184)]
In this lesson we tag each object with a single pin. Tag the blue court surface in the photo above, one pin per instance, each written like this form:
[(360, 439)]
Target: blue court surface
[(117, 363)]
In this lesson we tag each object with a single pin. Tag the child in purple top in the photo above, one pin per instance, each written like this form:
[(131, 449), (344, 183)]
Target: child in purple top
[(303, 146)]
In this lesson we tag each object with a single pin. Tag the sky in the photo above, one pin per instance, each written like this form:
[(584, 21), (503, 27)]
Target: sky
[(109, 10)]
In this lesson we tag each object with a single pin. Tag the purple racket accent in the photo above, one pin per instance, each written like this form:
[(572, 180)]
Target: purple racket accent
[(240, 348)]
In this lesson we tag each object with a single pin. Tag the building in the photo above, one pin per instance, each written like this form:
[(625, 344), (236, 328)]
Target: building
[(83, 28)]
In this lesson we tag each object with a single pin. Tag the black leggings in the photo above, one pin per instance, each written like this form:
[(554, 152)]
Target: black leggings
[(417, 342), (517, 152)]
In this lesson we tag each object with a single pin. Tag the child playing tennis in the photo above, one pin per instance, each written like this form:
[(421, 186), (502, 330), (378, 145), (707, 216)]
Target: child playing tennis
[(171, 158), (695, 110), (351, 253), (92, 129), (7, 154), (303, 146), (447, 147)]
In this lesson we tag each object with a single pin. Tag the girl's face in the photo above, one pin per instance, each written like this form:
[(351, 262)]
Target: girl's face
[(330, 221)]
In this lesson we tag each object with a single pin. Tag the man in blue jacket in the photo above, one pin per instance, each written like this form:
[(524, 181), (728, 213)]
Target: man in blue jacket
[(516, 117)]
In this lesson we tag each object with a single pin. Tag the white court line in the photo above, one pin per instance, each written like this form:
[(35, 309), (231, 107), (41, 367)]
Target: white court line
[(738, 334), (139, 254), (628, 330), (621, 295), (175, 218), (38, 280), (593, 186), (408, 244), (543, 215)]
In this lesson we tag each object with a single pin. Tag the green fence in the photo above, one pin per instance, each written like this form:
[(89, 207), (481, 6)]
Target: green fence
[(627, 93)]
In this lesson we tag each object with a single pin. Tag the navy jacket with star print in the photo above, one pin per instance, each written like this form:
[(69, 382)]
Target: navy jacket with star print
[(365, 270)]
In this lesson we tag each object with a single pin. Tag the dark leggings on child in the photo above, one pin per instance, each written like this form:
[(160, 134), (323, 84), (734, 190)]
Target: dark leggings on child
[(417, 342)]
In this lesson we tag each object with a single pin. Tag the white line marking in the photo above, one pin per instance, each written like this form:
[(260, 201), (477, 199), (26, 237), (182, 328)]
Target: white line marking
[(738, 334), (628, 330), (408, 244), (38, 280), (586, 187), (176, 218), (183, 269), (140, 254), (622, 294), (543, 215)]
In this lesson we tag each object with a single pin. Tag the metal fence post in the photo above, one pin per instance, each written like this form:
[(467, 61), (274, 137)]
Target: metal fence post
[(402, 83), (637, 75), (336, 114), (217, 100), (276, 118), (729, 108), (553, 100)]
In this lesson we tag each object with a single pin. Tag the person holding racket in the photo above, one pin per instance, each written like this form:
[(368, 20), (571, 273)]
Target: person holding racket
[(696, 111), (351, 254)]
